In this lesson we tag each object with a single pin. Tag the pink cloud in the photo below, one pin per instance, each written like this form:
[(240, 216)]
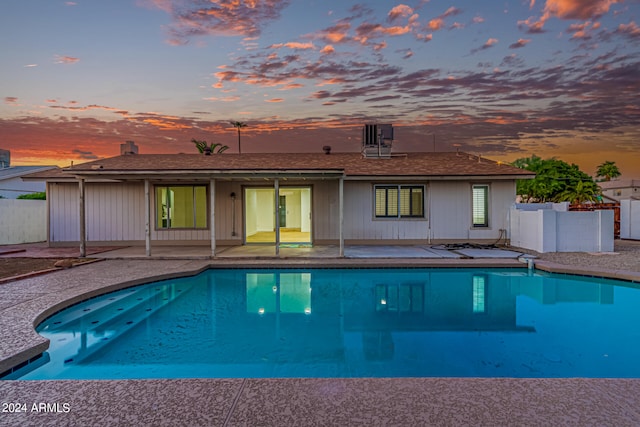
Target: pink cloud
[(577, 9), (225, 99), (569, 9), (399, 11), (631, 30), (327, 50), (520, 43), (436, 24), (275, 100), (452, 11), (294, 45), (66, 59), (218, 17), (490, 42)]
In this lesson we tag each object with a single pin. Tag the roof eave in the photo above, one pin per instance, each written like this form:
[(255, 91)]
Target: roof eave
[(435, 177)]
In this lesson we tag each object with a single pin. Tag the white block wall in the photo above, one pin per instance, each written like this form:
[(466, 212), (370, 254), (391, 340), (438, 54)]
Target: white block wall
[(22, 221), (548, 230), (630, 219)]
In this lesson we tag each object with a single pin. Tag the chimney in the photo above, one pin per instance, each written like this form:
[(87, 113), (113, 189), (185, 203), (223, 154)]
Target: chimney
[(5, 159), (128, 147), (327, 149)]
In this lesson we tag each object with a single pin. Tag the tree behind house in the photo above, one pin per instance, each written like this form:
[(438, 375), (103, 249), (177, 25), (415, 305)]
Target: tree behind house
[(608, 170), (203, 146), (553, 178), (239, 125)]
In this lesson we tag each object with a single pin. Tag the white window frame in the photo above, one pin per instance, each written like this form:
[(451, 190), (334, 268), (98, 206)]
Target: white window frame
[(474, 208)]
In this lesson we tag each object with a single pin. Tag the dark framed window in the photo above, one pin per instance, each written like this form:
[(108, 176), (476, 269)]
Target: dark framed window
[(480, 205), (399, 201), (181, 206)]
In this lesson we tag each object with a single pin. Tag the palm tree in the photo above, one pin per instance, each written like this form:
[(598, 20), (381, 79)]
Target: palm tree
[(583, 191), (204, 147), (238, 125), (608, 170)]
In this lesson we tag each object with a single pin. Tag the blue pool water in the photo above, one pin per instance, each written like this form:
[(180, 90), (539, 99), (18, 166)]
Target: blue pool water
[(350, 323)]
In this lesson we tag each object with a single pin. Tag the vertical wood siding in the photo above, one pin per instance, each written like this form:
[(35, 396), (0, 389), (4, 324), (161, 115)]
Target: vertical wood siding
[(359, 219), (64, 212), (114, 212), (450, 209), (325, 214)]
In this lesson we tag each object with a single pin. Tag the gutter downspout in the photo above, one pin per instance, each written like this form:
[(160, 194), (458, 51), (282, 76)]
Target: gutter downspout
[(276, 186), (83, 231), (147, 219), (341, 210), (212, 215)]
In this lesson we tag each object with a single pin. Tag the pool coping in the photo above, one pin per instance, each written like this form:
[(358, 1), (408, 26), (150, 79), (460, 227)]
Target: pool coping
[(17, 323)]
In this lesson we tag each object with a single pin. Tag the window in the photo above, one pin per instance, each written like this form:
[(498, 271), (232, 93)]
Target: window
[(181, 206), (480, 208), (399, 201)]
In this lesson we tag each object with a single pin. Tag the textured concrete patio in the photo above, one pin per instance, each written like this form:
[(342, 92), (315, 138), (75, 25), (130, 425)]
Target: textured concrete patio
[(300, 402)]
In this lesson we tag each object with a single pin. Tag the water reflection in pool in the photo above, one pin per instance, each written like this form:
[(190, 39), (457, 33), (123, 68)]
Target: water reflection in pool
[(350, 323)]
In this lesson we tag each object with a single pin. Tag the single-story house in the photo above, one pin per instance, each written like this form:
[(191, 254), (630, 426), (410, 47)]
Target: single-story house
[(302, 198), (621, 189)]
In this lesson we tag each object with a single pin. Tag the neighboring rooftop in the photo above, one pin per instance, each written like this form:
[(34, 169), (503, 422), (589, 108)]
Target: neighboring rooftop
[(21, 171), (621, 183)]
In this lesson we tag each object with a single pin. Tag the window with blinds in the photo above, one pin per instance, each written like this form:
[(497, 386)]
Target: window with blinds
[(399, 201), (480, 208)]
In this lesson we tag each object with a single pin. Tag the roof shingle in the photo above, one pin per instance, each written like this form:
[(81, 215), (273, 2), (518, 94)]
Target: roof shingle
[(440, 164)]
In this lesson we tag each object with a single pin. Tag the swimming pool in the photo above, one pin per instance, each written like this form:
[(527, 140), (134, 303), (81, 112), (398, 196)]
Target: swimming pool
[(350, 323)]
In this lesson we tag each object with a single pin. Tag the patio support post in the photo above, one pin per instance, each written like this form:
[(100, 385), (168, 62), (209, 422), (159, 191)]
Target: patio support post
[(83, 231), (276, 186), (341, 210), (212, 214), (147, 219)]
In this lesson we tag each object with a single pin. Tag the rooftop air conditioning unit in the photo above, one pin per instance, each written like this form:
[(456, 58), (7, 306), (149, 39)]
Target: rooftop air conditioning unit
[(377, 140)]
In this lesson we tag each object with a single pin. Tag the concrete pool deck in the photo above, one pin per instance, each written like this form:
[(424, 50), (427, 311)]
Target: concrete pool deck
[(383, 401)]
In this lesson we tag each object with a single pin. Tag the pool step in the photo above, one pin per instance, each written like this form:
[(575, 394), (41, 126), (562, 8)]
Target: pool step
[(95, 332)]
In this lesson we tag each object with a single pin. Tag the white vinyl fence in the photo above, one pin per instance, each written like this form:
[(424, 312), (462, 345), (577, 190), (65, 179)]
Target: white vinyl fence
[(22, 221), (630, 219), (550, 230)]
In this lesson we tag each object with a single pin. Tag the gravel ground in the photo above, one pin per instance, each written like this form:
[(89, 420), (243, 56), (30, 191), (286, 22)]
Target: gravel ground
[(626, 256)]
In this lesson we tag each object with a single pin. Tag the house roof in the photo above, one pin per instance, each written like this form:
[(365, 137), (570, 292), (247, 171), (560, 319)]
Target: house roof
[(616, 184), (22, 171), (351, 165)]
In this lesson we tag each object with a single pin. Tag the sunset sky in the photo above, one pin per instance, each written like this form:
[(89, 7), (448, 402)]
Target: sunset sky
[(500, 78)]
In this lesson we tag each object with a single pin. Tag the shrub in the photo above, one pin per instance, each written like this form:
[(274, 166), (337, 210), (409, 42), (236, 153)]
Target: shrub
[(34, 196)]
